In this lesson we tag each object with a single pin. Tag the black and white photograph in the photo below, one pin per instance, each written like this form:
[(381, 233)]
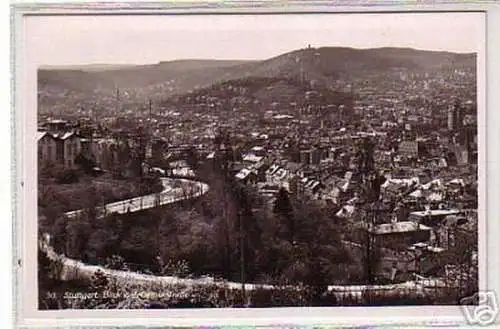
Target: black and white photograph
[(257, 161)]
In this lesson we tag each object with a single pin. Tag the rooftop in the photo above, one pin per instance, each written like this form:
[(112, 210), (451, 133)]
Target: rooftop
[(57, 121), (399, 227), (436, 212), (252, 158), (243, 173), (40, 134), (67, 135)]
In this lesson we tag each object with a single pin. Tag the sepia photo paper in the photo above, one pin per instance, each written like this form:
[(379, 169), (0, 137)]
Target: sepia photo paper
[(252, 168)]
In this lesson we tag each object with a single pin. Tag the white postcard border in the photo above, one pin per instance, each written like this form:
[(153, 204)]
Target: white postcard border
[(25, 190)]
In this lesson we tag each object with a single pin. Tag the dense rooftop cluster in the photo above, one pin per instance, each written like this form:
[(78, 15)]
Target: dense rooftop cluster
[(392, 153)]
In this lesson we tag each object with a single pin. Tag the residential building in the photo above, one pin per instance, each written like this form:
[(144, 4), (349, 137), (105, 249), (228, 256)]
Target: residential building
[(56, 126), (455, 118), (305, 157), (410, 149), (400, 234), (432, 218), (59, 149), (71, 148), (47, 147)]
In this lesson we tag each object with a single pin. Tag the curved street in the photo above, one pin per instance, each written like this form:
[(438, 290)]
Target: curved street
[(170, 194), (73, 269)]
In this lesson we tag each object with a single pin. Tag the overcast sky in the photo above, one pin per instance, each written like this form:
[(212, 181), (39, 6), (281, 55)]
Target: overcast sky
[(70, 40)]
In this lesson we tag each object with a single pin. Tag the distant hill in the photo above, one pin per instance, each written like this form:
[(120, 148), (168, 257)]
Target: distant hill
[(337, 61), (165, 79), (259, 94), (87, 67), (137, 76)]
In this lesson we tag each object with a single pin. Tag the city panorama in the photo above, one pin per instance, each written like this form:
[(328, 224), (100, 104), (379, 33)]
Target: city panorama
[(323, 176)]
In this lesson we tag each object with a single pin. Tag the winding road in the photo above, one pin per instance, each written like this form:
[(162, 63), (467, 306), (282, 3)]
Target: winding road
[(177, 190), (186, 189)]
